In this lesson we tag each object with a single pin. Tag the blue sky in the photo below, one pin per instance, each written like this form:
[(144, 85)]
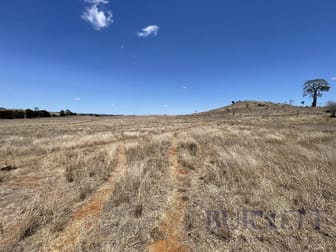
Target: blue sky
[(156, 57)]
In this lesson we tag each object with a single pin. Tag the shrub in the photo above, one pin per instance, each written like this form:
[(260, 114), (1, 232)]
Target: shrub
[(332, 108), (44, 113)]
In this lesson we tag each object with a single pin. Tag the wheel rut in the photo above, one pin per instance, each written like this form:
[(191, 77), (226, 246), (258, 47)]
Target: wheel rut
[(172, 224), (86, 215)]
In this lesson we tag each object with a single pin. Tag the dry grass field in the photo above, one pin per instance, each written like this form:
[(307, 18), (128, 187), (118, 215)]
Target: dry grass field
[(247, 177)]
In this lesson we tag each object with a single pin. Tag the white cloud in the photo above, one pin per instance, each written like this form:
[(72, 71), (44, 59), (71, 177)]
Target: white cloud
[(333, 78), (96, 2), (149, 30), (98, 18), (96, 15), (184, 87), (77, 99), (166, 106)]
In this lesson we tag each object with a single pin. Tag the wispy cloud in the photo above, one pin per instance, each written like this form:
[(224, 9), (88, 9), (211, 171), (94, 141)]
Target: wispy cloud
[(77, 99), (96, 1), (333, 78), (96, 16), (184, 87), (148, 31)]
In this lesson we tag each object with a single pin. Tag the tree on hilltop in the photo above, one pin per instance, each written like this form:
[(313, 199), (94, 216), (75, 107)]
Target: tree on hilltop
[(314, 88)]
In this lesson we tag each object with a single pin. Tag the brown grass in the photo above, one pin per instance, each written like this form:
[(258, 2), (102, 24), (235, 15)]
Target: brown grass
[(68, 191)]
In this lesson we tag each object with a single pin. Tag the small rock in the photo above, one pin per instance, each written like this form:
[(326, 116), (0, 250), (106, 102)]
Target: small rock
[(185, 198)]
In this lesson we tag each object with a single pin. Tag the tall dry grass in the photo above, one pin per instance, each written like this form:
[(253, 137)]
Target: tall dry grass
[(267, 159)]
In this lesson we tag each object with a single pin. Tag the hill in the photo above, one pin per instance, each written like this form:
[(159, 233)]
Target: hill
[(262, 108)]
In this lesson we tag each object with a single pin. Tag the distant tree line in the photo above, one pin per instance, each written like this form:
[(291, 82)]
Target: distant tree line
[(28, 113)]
